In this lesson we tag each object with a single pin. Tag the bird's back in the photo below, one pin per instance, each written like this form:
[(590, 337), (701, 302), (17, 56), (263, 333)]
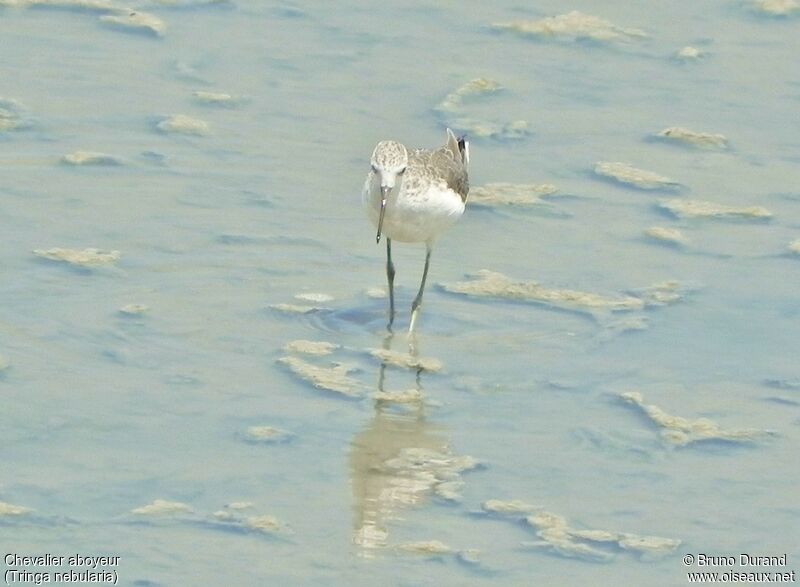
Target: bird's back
[(439, 166)]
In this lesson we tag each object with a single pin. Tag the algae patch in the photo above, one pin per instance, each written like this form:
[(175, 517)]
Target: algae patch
[(264, 524), (182, 124), (334, 378), (9, 509), (629, 175), (113, 15), (667, 235), (426, 547), (694, 138), (493, 284), (79, 158), (452, 112), (315, 297), (406, 361), (704, 209), (230, 518), (573, 25), (133, 309), (310, 347), (134, 21), (679, 431), (267, 435), (510, 194), (407, 396), (777, 7), (82, 257), (557, 536), (162, 507), (216, 98), (689, 53), (508, 507)]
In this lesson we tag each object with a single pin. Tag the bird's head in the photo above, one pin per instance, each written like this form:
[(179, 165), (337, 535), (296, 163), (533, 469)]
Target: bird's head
[(389, 161)]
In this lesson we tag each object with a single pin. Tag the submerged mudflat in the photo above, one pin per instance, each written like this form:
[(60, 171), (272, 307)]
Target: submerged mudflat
[(194, 365)]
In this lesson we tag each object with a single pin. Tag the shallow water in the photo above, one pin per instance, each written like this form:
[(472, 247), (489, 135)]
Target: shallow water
[(107, 412)]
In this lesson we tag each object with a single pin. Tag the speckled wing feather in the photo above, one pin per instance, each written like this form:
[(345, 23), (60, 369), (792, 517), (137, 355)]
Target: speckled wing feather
[(443, 165)]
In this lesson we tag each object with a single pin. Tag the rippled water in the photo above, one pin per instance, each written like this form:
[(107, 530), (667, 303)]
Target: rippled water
[(107, 411)]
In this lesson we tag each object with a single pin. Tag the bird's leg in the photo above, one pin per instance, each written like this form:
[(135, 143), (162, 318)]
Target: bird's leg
[(390, 278), (418, 300), (387, 345)]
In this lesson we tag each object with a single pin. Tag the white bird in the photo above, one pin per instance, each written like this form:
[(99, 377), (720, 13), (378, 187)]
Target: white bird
[(413, 195)]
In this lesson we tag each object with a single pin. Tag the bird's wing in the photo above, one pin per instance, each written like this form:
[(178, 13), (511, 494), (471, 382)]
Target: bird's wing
[(442, 164)]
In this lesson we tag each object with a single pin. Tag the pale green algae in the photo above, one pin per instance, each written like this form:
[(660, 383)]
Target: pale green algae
[(777, 7), (629, 175), (316, 297), (333, 378), (689, 53), (90, 257), (556, 535), (452, 111), (310, 347), (230, 517), (704, 209), (9, 509), (216, 98), (135, 21), (134, 309), (510, 194), (514, 507), (260, 524), (426, 547), (267, 434), (406, 396), (112, 14), (572, 26), (693, 138), (182, 124), (79, 158), (406, 360), (679, 431), (666, 235), (494, 284), (162, 507), (491, 284)]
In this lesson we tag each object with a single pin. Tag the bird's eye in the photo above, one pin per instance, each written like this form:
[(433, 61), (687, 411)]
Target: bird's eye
[(374, 169), (402, 171)]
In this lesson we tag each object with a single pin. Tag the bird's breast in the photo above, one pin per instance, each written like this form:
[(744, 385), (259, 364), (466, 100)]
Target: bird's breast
[(414, 213)]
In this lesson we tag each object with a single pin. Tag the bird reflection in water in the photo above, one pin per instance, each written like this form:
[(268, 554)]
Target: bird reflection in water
[(398, 461)]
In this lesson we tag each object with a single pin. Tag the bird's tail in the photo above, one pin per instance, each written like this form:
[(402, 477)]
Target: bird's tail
[(463, 148), (459, 146)]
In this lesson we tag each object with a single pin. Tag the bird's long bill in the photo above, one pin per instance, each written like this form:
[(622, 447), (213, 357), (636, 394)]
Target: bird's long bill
[(384, 193)]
